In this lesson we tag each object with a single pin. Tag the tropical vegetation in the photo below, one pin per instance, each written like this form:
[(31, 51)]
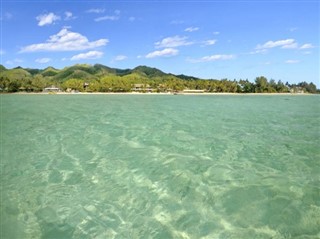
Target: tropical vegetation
[(100, 78)]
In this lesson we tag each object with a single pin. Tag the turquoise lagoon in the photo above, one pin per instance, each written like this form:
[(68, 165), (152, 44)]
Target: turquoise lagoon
[(160, 166)]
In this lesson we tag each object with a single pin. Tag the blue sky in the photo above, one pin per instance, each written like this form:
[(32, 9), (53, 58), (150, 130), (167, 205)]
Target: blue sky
[(207, 39)]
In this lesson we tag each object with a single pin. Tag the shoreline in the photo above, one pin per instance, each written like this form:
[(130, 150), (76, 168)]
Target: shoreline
[(153, 93)]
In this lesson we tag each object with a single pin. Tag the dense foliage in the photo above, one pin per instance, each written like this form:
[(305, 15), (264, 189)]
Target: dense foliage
[(100, 78)]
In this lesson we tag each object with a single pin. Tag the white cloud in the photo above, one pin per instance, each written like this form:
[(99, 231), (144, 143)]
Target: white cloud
[(111, 18), (213, 58), (65, 40), (217, 57), (6, 16), (175, 41), (292, 61), (290, 46), (69, 16), (293, 29), (163, 53), (259, 51), (216, 33), (47, 19), (120, 58), (288, 43), (285, 44), (15, 61), (210, 42), (43, 60), (114, 17), (2, 52), (96, 10), (88, 55), (191, 29), (131, 19), (307, 46)]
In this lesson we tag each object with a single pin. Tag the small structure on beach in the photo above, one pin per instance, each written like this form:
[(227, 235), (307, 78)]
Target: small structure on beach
[(297, 90), (51, 89), (142, 88), (85, 86), (193, 91)]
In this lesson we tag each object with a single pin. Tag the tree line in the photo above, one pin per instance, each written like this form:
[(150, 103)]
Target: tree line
[(165, 83)]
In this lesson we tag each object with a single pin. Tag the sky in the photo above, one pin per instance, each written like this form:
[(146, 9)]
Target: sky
[(206, 39)]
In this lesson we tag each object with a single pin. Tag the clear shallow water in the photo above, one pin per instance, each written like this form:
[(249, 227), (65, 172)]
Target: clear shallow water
[(123, 166)]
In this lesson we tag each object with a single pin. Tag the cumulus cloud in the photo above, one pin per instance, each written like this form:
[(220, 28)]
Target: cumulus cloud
[(6, 16), (258, 51), (290, 46), (213, 58), (114, 17), (307, 46), (284, 44), (292, 61), (111, 18), (88, 55), (47, 19), (167, 52), (293, 29), (210, 42), (96, 10), (43, 60), (13, 62), (191, 29), (288, 43), (120, 58), (65, 40), (68, 16), (175, 41)]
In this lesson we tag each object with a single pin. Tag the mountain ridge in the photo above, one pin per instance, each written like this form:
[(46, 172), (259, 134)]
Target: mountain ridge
[(101, 78), (81, 71)]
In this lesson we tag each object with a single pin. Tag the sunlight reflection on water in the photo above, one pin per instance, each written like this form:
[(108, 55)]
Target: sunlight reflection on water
[(160, 167)]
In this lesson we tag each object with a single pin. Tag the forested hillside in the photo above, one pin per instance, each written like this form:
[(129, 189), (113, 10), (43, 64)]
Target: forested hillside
[(100, 78)]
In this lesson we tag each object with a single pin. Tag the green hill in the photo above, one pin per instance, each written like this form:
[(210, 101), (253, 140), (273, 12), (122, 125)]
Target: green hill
[(149, 71), (33, 71), (16, 74), (104, 78), (184, 77), (49, 71), (2, 68), (82, 72)]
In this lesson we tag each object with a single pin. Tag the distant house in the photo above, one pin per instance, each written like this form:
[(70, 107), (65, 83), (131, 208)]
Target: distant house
[(51, 89), (193, 91), (141, 88), (297, 90), (22, 89), (85, 86)]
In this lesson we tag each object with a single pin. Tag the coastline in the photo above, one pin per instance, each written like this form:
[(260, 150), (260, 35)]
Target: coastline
[(153, 93)]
